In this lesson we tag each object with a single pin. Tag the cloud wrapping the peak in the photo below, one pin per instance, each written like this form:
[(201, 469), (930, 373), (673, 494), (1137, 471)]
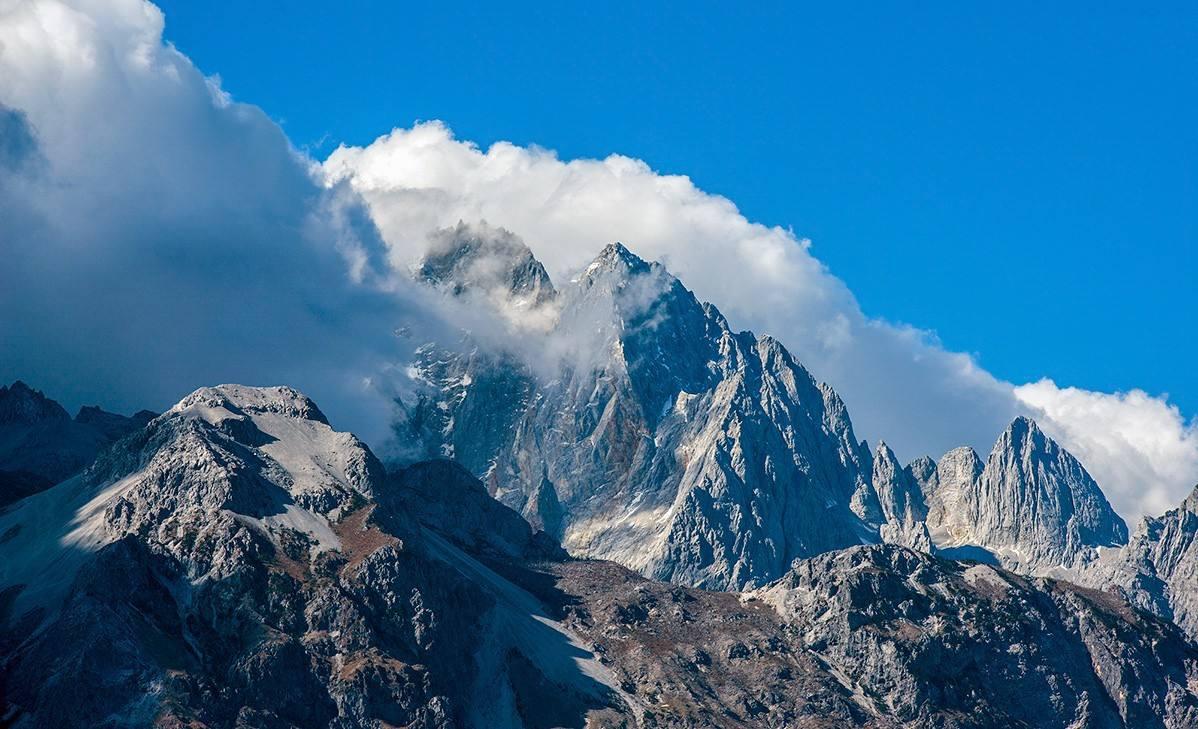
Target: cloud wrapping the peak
[(897, 380)]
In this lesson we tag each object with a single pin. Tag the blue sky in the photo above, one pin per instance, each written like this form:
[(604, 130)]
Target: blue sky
[(1020, 178)]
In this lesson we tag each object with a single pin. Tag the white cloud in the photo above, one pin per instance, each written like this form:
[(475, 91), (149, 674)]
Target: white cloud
[(157, 236), (1139, 447)]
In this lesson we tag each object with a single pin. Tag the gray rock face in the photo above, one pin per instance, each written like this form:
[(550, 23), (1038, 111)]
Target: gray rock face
[(947, 489), (1032, 507), (240, 563), (666, 441), (1158, 569), (901, 500), (928, 642), (40, 444)]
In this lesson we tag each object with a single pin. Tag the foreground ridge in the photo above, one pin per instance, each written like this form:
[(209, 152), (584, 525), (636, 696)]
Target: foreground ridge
[(239, 562)]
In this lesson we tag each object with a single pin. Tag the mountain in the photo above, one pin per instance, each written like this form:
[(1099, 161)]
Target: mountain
[(901, 500), (240, 563), (1032, 507), (40, 444), (1158, 569), (661, 439), (643, 429)]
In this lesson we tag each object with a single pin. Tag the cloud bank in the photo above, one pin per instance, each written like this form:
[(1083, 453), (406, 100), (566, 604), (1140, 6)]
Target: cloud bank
[(898, 381), (157, 235)]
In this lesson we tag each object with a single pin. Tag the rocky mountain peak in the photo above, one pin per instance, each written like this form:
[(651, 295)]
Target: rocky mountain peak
[(1191, 502), (616, 257), (214, 404), (901, 502), (224, 459), (21, 404), (1032, 506), (488, 261), (112, 425), (616, 269), (666, 441), (1023, 435), (40, 445)]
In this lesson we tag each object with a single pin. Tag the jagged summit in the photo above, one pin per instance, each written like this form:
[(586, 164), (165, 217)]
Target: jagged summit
[(1032, 505), (903, 511), (1190, 503), (615, 258), (665, 441), (488, 261), (41, 445), (20, 403)]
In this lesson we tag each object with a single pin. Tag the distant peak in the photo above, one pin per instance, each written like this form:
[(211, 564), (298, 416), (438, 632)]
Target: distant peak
[(480, 257), (961, 453), (618, 250), (1024, 434), (1191, 502), (1023, 423), (91, 413), (615, 257), (20, 403), (247, 400)]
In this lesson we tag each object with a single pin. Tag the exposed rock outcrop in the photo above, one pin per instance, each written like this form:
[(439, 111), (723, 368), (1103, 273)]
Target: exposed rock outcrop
[(929, 642), (1032, 507), (1158, 569), (901, 500)]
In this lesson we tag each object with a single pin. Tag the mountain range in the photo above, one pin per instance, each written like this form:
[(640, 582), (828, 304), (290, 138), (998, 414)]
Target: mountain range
[(609, 509), (693, 453)]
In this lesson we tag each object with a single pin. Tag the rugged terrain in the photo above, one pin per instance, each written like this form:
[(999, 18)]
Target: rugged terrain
[(240, 563), (695, 454), (666, 441)]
